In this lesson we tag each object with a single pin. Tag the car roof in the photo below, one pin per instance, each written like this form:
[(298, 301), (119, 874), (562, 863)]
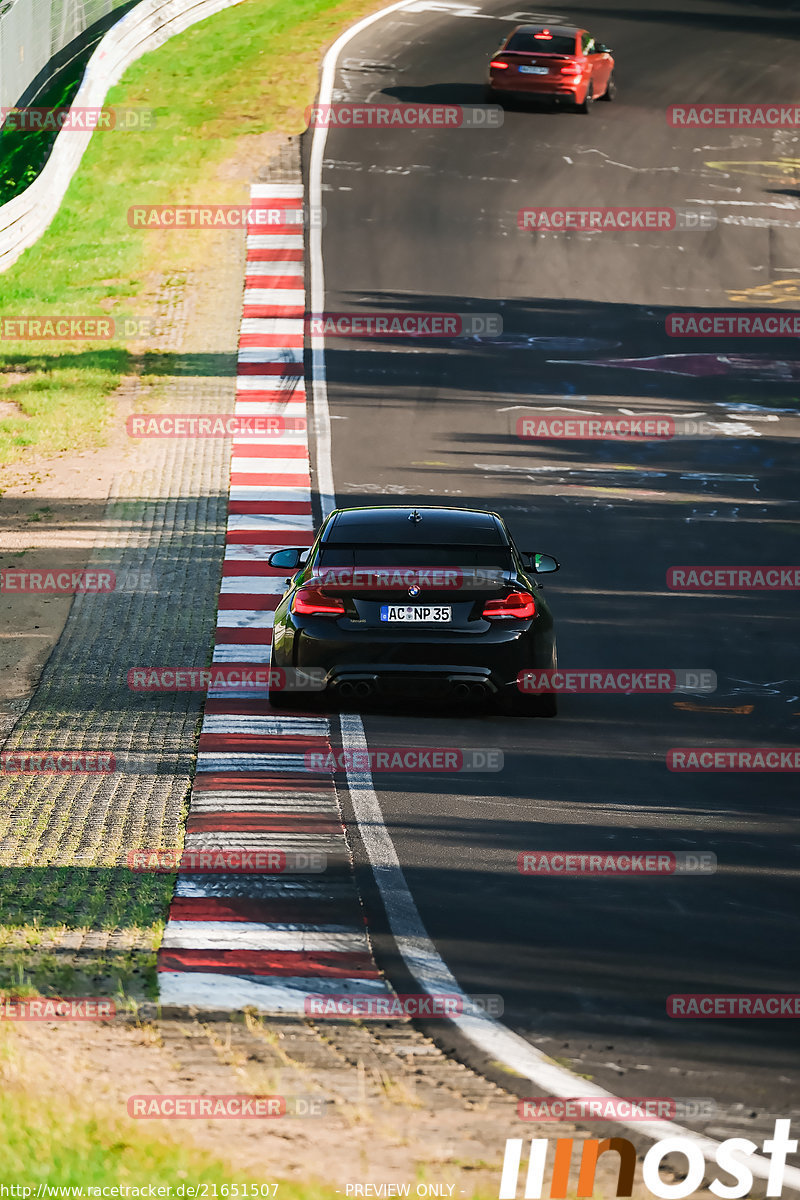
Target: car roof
[(431, 525), (556, 30)]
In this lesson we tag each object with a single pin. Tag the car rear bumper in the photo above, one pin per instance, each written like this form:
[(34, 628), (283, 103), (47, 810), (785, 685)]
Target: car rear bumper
[(531, 88), (488, 663), (438, 682)]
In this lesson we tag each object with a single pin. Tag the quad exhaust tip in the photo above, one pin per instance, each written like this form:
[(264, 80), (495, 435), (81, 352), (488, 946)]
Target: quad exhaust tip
[(355, 690), (470, 689)]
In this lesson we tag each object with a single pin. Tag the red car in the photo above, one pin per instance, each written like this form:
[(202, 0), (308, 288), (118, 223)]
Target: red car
[(561, 63)]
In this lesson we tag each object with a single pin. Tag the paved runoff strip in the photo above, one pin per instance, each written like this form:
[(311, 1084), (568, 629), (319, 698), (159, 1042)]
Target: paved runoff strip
[(262, 939)]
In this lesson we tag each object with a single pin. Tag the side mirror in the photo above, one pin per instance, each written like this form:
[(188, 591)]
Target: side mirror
[(287, 560), (599, 48), (542, 564)]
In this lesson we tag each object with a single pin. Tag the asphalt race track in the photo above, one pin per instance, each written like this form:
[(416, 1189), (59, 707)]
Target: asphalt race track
[(426, 221)]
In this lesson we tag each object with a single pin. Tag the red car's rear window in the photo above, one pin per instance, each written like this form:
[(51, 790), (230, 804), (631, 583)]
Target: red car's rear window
[(528, 44)]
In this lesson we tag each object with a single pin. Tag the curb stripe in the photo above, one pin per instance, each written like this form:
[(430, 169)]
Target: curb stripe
[(241, 936), (233, 566), (256, 822), (279, 448), (330, 964), (265, 939), (268, 364), (290, 995), (263, 742), (232, 616), (259, 478), (230, 909), (265, 889), (233, 639), (277, 266), (272, 251), (257, 708)]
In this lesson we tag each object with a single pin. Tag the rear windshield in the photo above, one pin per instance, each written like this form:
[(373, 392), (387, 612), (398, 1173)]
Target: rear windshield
[(527, 43), (342, 555)]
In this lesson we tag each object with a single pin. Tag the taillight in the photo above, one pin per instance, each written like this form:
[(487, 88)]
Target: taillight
[(517, 604), (312, 600), (571, 69), (498, 66)]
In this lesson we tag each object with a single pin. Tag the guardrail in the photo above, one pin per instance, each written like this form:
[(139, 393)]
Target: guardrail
[(38, 38), (24, 219)]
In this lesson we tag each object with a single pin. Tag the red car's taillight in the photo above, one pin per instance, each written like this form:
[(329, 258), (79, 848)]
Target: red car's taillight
[(498, 66), (517, 604), (572, 69), (312, 601)]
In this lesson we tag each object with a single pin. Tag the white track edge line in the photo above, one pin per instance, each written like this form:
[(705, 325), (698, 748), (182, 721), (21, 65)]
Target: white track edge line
[(487, 1034)]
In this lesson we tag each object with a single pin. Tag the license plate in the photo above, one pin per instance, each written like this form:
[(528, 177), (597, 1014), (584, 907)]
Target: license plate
[(408, 614), (535, 70)]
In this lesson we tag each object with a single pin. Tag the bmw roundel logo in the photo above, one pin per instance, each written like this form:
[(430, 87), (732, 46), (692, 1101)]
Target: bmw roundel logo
[(414, 590)]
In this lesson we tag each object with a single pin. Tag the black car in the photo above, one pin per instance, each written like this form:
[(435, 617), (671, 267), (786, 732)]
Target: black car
[(435, 602)]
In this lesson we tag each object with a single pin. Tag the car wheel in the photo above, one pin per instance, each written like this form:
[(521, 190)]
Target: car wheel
[(546, 706), (588, 100), (491, 97), (611, 89), (518, 704)]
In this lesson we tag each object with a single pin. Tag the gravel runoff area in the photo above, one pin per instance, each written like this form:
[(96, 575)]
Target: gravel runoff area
[(73, 917)]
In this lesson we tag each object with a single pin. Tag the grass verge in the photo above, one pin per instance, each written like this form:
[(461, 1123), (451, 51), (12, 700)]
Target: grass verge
[(68, 1141), (248, 71), (80, 931)]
